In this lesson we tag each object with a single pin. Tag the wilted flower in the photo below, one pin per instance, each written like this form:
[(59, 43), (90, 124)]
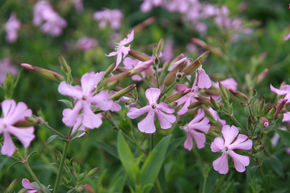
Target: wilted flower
[(48, 20), (196, 129), (28, 186), (110, 17), (11, 27), (121, 50), (86, 43), (13, 113), (231, 141), (6, 67), (161, 110), (86, 101)]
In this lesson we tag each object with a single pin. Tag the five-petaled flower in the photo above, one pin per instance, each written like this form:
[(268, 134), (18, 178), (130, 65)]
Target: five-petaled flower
[(82, 115), (284, 90), (196, 129), (121, 50), (161, 110), (28, 186), (13, 113), (231, 141)]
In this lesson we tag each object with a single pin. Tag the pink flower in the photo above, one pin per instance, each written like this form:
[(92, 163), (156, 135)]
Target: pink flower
[(161, 110), (12, 113), (86, 101), (187, 99), (6, 67), (110, 17), (231, 141), (48, 20), (147, 5), (216, 116), (286, 117), (11, 27), (287, 37), (203, 80), (130, 64), (86, 43), (121, 50), (78, 5), (284, 90), (228, 83), (29, 186), (196, 129)]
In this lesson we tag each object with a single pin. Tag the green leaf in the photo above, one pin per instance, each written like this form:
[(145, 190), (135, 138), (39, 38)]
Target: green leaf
[(285, 135), (108, 148), (118, 182), (276, 165), (126, 156), (52, 138), (153, 163)]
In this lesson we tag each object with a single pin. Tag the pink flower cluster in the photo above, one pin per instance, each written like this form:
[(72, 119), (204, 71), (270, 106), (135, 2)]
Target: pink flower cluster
[(12, 114), (11, 27), (86, 43), (47, 19), (86, 102), (194, 11), (112, 17)]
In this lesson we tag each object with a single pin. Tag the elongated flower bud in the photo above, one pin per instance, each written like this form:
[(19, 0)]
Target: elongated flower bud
[(139, 55), (123, 92), (144, 24), (239, 95), (46, 73), (224, 92), (264, 122), (191, 68)]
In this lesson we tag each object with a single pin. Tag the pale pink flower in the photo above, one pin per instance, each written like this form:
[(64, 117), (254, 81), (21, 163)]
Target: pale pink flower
[(196, 129), (284, 90), (86, 43), (287, 37), (110, 17), (216, 116), (203, 80), (187, 99), (228, 83), (286, 117), (86, 101), (6, 67), (231, 141), (78, 5), (12, 113), (47, 19), (28, 186), (121, 50), (147, 5), (130, 63), (11, 27), (163, 112)]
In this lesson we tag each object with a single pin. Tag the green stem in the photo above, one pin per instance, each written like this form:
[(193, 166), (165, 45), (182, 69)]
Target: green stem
[(45, 124), (27, 166), (158, 186), (204, 184), (61, 166)]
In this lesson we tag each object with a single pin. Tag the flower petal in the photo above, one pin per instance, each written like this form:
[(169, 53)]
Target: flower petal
[(203, 79), (165, 108), (25, 135), (278, 91), (221, 164), (217, 145), (134, 112), (27, 184), (152, 95), (240, 161), (102, 100), (89, 82), (70, 115), (8, 107), (242, 142), (128, 39), (165, 120), (90, 119), (199, 139), (229, 133), (8, 147), (188, 142), (69, 90), (147, 124), (286, 117)]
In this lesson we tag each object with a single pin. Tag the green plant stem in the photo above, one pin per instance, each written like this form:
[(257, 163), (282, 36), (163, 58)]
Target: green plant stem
[(27, 166), (45, 124), (204, 184), (61, 166), (158, 186)]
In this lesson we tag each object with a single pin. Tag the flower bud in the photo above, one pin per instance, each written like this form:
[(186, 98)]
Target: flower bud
[(203, 100), (141, 66), (123, 92), (280, 108), (46, 73), (139, 55), (144, 24), (264, 122), (157, 51), (239, 95), (262, 75), (65, 68), (224, 92), (175, 96), (214, 104), (93, 171), (109, 69), (117, 77)]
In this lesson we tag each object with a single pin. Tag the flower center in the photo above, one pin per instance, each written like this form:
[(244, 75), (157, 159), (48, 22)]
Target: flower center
[(225, 149), (153, 106)]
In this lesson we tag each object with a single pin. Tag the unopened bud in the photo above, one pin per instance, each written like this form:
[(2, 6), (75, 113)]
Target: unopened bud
[(199, 42), (93, 171), (65, 68), (264, 122), (109, 69), (280, 108), (144, 24), (239, 95), (214, 104), (203, 100), (139, 55), (141, 66), (224, 92), (157, 51), (46, 73), (262, 75), (123, 92), (117, 77), (212, 92), (175, 96)]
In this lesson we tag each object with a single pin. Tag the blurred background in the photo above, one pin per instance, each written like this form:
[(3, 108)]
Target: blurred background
[(246, 38)]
